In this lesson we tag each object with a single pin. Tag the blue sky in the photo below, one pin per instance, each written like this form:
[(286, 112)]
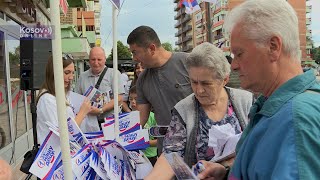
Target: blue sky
[(160, 16), (157, 14), (315, 24)]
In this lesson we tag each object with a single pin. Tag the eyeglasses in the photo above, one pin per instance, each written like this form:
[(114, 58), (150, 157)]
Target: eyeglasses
[(67, 56)]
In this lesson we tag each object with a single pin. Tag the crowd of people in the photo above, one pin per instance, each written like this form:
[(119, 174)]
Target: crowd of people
[(276, 111)]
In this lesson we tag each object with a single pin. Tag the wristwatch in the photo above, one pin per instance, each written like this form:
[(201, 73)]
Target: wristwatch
[(101, 111)]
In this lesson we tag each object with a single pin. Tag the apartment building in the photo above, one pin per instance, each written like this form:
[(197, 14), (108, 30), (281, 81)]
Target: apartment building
[(207, 25), (97, 14), (308, 30), (184, 26)]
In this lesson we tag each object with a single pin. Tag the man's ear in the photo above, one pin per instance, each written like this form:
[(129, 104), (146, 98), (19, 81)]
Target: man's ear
[(152, 48), (275, 48)]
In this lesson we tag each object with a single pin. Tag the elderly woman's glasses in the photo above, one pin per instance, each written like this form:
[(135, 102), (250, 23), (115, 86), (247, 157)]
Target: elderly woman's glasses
[(67, 56)]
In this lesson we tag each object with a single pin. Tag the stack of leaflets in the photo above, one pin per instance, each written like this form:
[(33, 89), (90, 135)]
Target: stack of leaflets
[(131, 134), (93, 157), (223, 140)]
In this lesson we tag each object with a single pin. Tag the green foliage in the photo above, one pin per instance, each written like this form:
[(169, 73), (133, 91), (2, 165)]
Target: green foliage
[(123, 52), (316, 56), (14, 57), (167, 46)]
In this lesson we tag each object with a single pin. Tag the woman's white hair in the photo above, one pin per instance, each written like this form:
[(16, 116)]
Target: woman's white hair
[(262, 19), (209, 56)]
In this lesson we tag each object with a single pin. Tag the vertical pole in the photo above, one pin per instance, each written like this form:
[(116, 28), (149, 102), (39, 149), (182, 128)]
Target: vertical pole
[(209, 24), (33, 109), (115, 72), (60, 90)]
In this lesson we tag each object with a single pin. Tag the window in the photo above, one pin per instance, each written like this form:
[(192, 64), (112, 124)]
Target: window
[(198, 16), (18, 106), (5, 133), (90, 28), (1, 15), (11, 21)]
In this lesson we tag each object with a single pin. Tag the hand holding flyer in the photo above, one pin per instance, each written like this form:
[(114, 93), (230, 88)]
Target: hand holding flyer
[(97, 97)]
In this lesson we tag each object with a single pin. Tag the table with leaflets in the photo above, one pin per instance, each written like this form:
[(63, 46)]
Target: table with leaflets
[(93, 156)]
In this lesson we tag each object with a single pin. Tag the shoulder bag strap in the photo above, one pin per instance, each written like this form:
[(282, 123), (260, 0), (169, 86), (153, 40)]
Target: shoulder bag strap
[(100, 78)]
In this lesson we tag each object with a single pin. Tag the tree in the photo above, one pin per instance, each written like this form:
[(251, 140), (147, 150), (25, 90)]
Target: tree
[(14, 56), (123, 52), (167, 46), (176, 49), (316, 55)]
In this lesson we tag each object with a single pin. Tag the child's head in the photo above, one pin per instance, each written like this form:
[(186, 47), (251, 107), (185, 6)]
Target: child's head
[(133, 98)]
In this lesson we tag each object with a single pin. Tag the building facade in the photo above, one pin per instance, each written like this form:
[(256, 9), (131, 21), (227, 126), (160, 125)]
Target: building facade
[(184, 26), (15, 118), (207, 25), (16, 134), (80, 32)]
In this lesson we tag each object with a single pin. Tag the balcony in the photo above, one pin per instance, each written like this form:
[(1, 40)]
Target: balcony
[(98, 30), (218, 9), (187, 48), (187, 28), (218, 23), (308, 9), (309, 45), (178, 42), (176, 17), (187, 18), (177, 7), (177, 24), (71, 3), (199, 21), (309, 33), (200, 42), (308, 21), (178, 33), (186, 38), (218, 37)]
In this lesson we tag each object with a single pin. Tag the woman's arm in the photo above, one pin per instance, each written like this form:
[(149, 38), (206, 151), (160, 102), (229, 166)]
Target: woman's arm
[(161, 170), (174, 141)]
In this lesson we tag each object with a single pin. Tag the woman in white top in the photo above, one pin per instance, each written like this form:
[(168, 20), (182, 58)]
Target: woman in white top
[(46, 100)]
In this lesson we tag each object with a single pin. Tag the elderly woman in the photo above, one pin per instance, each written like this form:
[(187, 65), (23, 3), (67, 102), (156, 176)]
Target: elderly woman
[(211, 104)]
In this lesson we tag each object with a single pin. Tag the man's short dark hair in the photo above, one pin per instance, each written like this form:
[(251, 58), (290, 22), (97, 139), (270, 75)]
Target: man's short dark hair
[(143, 36), (133, 90)]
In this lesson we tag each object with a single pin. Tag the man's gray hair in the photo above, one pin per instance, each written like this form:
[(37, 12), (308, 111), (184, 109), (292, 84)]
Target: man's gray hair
[(209, 56), (262, 19)]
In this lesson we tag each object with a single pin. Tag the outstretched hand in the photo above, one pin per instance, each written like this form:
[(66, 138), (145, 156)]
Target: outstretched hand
[(212, 170)]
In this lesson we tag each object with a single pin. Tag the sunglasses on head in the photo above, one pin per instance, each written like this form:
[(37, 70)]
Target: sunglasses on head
[(67, 56)]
